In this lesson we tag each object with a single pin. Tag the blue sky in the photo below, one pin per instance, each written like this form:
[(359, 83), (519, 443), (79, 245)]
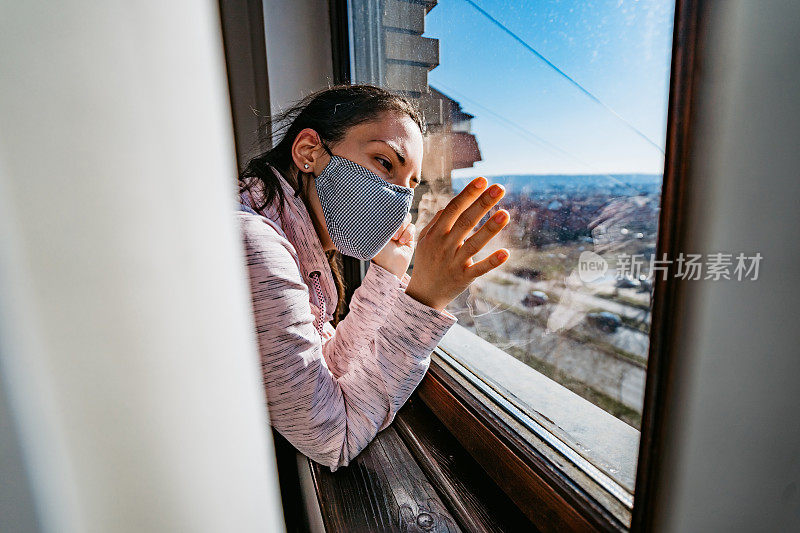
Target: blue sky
[(619, 50)]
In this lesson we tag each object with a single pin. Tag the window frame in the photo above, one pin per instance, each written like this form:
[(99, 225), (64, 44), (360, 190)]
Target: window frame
[(516, 459), (545, 491), (353, 270), (663, 358)]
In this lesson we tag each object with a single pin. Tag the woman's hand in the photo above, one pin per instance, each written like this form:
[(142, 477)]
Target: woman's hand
[(396, 255), (443, 267)]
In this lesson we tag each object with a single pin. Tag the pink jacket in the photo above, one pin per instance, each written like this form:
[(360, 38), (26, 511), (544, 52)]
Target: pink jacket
[(330, 391)]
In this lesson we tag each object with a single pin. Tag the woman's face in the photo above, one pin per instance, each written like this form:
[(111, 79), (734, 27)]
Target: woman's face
[(391, 147)]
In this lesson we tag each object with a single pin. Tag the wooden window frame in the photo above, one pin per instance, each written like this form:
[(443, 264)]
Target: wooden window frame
[(544, 491), (663, 359)]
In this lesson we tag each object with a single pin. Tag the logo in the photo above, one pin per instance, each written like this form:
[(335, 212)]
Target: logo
[(591, 267)]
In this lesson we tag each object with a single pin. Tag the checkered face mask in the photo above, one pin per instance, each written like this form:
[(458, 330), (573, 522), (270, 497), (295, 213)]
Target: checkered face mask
[(362, 210)]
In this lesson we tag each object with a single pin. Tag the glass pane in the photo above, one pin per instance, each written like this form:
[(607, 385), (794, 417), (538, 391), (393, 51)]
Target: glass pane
[(564, 103)]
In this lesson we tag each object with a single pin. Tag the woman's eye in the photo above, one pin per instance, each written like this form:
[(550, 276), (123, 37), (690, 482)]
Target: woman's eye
[(382, 160)]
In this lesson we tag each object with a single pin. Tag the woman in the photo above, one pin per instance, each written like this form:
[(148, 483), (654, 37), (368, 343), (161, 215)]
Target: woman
[(342, 178)]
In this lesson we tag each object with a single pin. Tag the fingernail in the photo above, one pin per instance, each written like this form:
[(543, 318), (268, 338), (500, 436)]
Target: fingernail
[(480, 183), (496, 190), (500, 217), (501, 256)]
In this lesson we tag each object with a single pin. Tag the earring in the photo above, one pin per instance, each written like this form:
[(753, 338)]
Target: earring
[(305, 166)]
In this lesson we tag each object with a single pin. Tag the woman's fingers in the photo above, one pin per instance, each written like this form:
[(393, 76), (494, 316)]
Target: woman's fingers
[(407, 235), (459, 203), (478, 240), (429, 225), (475, 212), (485, 265), (402, 228)]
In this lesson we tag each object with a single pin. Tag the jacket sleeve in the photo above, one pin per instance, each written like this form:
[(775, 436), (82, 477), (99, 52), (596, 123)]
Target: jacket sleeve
[(381, 351), (369, 308), (387, 327)]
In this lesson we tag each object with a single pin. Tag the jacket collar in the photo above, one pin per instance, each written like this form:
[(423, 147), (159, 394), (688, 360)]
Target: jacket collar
[(295, 221)]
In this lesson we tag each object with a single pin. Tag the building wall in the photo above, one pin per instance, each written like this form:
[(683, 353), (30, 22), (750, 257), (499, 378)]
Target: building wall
[(127, 350), (299, 57)]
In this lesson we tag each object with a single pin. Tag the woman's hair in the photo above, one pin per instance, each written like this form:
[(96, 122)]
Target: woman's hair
[(331, 113)]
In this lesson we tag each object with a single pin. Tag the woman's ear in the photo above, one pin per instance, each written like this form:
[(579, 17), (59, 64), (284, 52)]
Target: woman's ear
[(307, 150)]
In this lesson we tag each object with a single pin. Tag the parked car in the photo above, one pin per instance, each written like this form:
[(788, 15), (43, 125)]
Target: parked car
[(527, 273), (646, 285), (627, 283), (535, 299), (604, 321)]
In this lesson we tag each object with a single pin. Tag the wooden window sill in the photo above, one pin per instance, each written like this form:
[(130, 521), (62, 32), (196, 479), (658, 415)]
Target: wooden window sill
[(414, 476), (452, 460)]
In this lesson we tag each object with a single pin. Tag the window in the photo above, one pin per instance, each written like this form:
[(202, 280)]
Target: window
[(565, 104)]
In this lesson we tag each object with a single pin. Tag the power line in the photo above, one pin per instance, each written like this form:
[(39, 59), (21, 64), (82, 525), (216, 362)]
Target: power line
[(534, 136), (566, 76), (518, 127)]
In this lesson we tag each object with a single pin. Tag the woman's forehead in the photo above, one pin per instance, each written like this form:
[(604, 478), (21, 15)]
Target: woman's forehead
[(402, 135), (398, 128)]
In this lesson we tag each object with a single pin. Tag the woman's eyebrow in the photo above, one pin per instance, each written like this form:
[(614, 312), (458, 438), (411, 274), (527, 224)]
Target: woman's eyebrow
[(397, 150)]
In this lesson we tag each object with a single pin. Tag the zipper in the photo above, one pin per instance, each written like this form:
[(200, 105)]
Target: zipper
[(319, 320)]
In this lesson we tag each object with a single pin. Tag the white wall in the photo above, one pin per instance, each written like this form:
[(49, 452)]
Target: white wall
[(732, 458), (126, 338), (299, 59)]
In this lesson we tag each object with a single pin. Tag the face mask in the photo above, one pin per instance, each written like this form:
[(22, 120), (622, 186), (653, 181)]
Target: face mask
[(362, 210)]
